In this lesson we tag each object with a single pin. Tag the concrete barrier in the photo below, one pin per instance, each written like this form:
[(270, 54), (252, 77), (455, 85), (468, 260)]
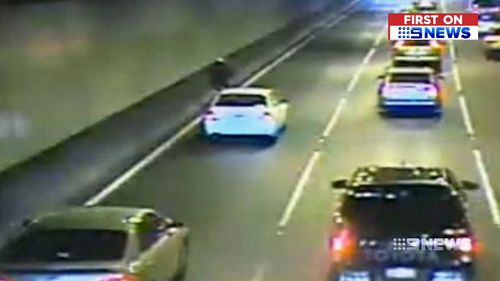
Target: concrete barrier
[(73, 171)]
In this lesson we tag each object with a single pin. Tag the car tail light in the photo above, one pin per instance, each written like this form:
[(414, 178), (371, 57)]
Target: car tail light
[(342, 244), (210, 115), (118, 277)]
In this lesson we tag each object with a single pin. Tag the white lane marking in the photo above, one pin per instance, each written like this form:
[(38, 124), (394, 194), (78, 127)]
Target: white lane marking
[(260, 272), (453, 53), (334, 118), (355, 79), (295, 49), (299, 189), (136, 168), (456, 78), (379, 38), (486, 184), (311, 163), (150, 158), (466, 116)]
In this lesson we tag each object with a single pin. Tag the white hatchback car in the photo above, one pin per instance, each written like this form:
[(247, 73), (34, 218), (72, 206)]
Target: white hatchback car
[(246, 112)]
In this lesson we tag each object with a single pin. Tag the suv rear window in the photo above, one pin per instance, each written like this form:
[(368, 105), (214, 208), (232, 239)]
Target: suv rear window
[(66, 246), (382, 209), (410, 78), (240, 100)]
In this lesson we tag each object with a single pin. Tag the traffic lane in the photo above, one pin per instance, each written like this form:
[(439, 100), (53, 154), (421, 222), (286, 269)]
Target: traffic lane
[(231, 194), (480, 83), (362, 138)]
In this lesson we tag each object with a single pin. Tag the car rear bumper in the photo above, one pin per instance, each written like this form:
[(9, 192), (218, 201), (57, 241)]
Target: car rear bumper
[(391, 273), (411, 108), (219, 127)]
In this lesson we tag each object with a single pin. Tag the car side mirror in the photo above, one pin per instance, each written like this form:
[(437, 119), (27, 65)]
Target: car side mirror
[(340, 184), (469, 185)]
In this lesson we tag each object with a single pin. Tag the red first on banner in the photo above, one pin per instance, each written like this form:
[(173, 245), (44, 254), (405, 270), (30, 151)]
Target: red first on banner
[(437, 19)]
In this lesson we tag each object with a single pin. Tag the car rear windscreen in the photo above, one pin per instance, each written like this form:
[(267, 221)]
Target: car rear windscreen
[(417, 43), (410, 78), (417, 63), (489, 17), (380, 210), (66, 246), (241, 100)]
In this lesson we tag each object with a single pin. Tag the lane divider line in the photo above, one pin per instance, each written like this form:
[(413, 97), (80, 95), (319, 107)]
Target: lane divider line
[(157, 152), (260, 272), (313, 160), (334, 119), (139, 166), (488, 189), (469, 128), (298, 190)]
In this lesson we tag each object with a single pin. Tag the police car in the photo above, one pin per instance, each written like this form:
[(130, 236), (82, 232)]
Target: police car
[(410, 91), (418, 48), (492, 43), (246, 112)]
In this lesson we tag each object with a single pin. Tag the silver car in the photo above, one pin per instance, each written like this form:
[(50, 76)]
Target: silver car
[(97, 244)]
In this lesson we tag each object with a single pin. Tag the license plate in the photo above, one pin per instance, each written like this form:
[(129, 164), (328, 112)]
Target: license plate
[(419, 51), (401, 273)]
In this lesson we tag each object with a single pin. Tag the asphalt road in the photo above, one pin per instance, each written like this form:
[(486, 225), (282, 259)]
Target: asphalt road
[(263, 213)]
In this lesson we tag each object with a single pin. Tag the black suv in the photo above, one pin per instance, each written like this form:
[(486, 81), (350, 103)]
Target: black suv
[(402, 223)]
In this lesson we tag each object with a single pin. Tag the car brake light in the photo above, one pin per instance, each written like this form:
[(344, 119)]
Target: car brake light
[(342, 244), (118, 277)]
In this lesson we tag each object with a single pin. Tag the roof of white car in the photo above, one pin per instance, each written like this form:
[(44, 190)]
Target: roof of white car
[(246, 91), (416, 70)]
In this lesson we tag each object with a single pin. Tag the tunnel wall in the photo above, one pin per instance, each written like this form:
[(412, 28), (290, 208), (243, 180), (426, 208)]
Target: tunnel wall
[(65, 65), (70, 173)]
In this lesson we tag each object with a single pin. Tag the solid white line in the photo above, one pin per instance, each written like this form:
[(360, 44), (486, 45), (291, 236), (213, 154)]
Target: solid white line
[(260, 272), (466, 116), (455, 70), (137, 167), (295, 49), (380, 37), (355, 79), (299, 189), (306, 173), (334, 118), (453, 53), (118, 182), (486, 184)]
